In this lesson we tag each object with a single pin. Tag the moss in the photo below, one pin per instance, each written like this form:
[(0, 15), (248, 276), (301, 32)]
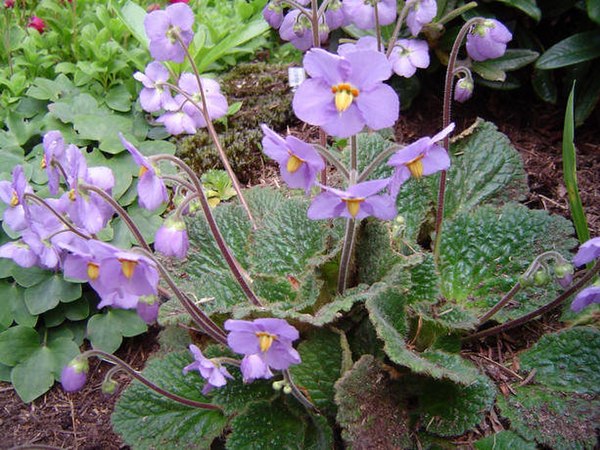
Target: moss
[(266, 98)]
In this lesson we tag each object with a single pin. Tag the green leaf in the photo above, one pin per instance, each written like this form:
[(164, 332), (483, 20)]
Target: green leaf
[(593, 10), (567, 361), (28, 277), (17, 344), (147, 420), (103, 128), (371, 411), (587, 94), (544, 85), (33, 377), (552, 418), (106, 331), (47, 294), (484, 253), (529, 7), (133, 15), (119, 99), (321, 367), (570, 172), (504, 439), (575, 49), (16, 301), (266, 425), (511, 60)]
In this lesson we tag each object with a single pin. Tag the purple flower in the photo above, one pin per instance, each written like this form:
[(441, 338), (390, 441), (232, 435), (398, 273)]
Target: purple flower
[(163, 27), (299, 163), (154, 96), (12, 193), (487, 40), (178, 122), (334, 15), (267, 344), (214, 373), (54, 152), (357, 202), (346, 93), (151, 188), (463, 89), (20, 253), (408, 55), (216, 102), (74, 375), (420, 14), (147, 308), (297, 29), (362, 13), (273, 14), (172, 239), (586, 297), (588, 251), (422, 157), (364, 43)]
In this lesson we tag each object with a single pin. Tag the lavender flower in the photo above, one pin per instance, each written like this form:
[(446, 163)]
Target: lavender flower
[(12, 193), (216, 103), (299, 163), (357, 202), (178, 122), (215, 374), (20, 253), (297, 29), (487, 40), (362, 13), (422, 157), (334, 15), (74, 374), (267, 344), (586, 297), (151, 189), (154, 96), (172, 239), (463, 90), (420, 14), (273, 14), (54, 150), (346, 93), (147, 308), (364, 43), (408, 55), (588, 251), (163, 27)]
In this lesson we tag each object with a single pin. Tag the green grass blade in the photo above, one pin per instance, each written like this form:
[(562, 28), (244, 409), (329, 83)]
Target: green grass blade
[(570, 172)]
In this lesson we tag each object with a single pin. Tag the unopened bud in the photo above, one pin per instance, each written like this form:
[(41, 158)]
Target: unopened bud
[(287, 389), (109, 386), (541, 278), (278, 385)]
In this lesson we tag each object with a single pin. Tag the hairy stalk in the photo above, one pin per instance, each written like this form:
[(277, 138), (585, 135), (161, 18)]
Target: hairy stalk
[(377, 162), (120, 211), (446, 114), (529, 316), (377, 28), (398, 27), (146, 382), (330, 157), (214, 136), (214, 228), (40, 201), (498, 306), (297, 393), (180, 181), (457, 12)]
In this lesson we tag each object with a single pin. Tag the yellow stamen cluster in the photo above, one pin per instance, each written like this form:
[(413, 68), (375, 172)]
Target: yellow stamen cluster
[(353, 205), (93, 270), (294, 163), (128, 267), (416, 166), (143, 170), (265, 340), (14, 199), (44, 163), (72, 195), (345, 94)]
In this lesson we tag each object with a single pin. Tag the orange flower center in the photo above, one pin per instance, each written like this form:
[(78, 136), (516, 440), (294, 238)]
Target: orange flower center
[(344, 95), (128, 267), (294, 163), (265, 340), (353, 205), (415, 166), (93, 270)]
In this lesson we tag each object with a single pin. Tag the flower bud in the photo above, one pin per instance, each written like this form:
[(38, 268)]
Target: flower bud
[(9, 3), (171, 239), (287, 389), (147, 308), (37, 23), (463, 90), (74, 374), (109, 386), (278, 385), (541, 278)]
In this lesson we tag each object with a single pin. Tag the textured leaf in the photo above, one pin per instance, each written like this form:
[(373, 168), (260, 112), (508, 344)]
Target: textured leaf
[(321, 367), (593, 10), (370, 409), (552, 418), (504, 439), (572, 50), (567, 361), (147, 420), (374, 253), (484, 253), (106, 331), (266, 425), (47, 294)]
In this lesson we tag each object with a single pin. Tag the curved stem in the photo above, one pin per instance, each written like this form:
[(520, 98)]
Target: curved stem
[(446, 114), (214, 136), (297, 393), (396, 33), (186, 184), (65, 222), (214, 228), (330, 157), (146, 382), (498, 306), (186, 201), (548, 307), (377, 161), (120, 211)]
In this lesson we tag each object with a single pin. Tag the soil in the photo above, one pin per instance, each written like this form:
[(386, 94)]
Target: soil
[(82, 420)]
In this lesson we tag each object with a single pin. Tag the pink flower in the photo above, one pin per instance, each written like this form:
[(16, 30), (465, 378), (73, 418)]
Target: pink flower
[(37, 23)]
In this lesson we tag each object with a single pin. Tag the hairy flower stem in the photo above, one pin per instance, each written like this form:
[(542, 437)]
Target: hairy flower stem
[(197, 315), (380, 158), (331, 158), (214, 136), (589, 276), (40, 201), (120, 211), (297, 393), (146, 382), (350, 234), (498, 306), (446, 114), (377, 28), (214, 228), (398, 27)]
